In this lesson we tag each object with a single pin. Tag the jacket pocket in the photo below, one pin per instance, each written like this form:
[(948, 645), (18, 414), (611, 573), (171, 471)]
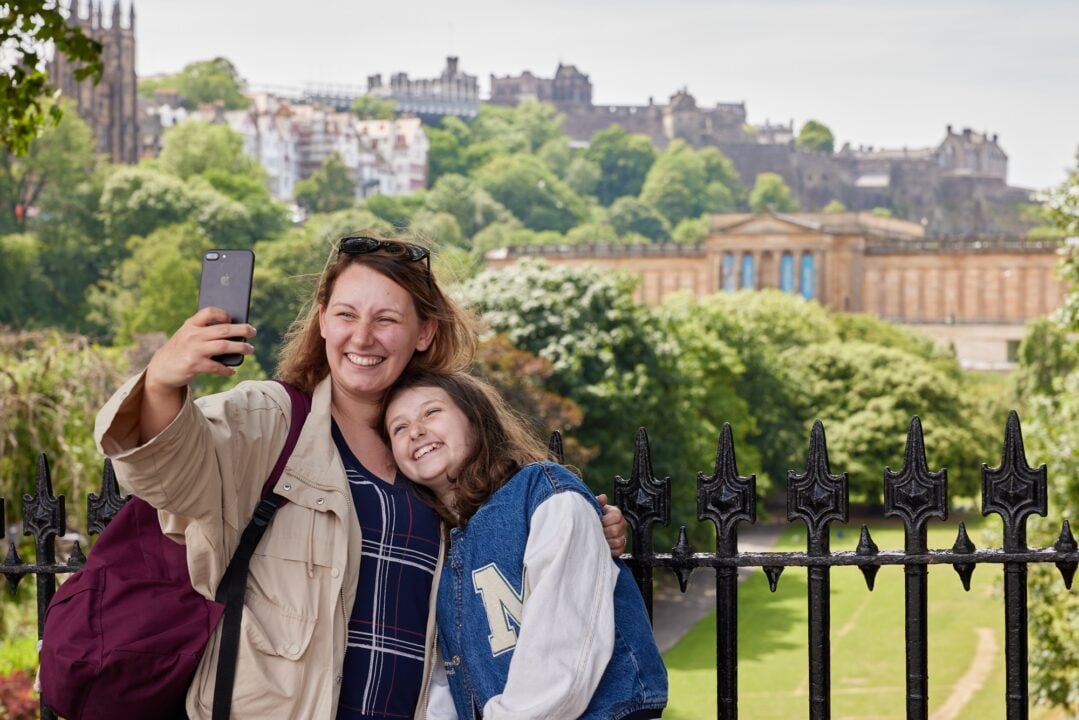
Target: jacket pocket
[(274, 676)]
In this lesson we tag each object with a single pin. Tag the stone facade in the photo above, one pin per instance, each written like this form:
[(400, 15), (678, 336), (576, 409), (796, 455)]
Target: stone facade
[(975, 295), (111, 107)]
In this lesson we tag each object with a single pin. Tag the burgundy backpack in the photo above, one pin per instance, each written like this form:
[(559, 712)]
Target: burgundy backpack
[(124, 635)]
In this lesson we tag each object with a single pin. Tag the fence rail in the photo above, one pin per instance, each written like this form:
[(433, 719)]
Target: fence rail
[(816, 497)]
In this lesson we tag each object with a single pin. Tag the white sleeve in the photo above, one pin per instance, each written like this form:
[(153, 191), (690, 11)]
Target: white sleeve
[(567, 624), (439, 700)]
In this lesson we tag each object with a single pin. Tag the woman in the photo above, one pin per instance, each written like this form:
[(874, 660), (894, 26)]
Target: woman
[(534, 620), (324, 633)]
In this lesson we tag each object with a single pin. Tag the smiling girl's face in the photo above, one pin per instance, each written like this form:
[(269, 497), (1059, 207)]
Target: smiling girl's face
[(430, 437)]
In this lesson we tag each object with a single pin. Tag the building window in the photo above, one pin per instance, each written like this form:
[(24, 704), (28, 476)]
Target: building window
[(786, 273), (1013, 351), (749, 275), (807, 276), (726, 272)]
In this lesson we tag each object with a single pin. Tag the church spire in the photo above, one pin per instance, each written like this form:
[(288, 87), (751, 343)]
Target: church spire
[(73, 12), (100, 21), (116, 15), (131, 16)]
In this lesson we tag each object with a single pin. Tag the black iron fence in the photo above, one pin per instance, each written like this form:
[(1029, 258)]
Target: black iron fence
[(816, 497)]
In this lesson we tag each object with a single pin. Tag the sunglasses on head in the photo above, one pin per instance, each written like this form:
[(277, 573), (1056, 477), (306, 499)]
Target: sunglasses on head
[(406, 251)]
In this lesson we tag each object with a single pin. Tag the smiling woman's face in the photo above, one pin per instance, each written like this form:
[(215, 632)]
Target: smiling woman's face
[(431, 438), (371, 329)]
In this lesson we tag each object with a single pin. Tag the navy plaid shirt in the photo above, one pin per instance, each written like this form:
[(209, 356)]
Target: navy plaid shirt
[(386, 634)]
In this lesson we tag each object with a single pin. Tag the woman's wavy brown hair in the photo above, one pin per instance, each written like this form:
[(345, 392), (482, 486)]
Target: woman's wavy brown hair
[(501, 441), (302, 360)]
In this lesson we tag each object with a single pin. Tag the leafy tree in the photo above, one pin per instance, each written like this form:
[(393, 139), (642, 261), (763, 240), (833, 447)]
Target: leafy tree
[(448, 149), (329, 188), (761, 326), (529, 190), (26, 28), (204, 81), (524, 128), (866, 395), (556, 154), (23, 288), (834, 206), (50, 391), (882, 212), (138, 200), (711, 373), (328, 228), (771, 194), (624, 160), (817, 136), (691, 230), (592, 233), (195, 147), (583, 175), (520, 378), (438, 230), (1049, 379), (724, 189), (397, 210), (268, 217), (676, 183), (49, 170), (473, 207), (630, 215), (602, 347), (501, 234), (368, 107)]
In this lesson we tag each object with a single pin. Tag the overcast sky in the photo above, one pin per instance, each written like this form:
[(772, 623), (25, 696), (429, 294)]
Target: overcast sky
[(886, 73)]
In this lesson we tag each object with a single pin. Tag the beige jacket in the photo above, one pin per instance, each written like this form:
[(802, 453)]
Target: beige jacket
[(205, 473)]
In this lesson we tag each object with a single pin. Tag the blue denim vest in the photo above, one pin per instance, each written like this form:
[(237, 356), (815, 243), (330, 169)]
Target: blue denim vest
[(635, 678)]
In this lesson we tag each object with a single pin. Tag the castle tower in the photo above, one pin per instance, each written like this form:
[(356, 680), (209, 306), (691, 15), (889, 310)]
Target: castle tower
[(110, 108)]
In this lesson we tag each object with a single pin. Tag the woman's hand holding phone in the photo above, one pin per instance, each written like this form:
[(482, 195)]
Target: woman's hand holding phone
[(188, 353)]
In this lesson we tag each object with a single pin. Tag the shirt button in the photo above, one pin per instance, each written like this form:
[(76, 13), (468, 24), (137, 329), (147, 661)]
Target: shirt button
[(321, 501), (293, 649), (456, 659), (286, 486), (335, 572)]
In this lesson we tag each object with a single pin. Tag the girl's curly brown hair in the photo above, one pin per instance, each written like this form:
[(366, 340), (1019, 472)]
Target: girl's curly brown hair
[(501, 441)]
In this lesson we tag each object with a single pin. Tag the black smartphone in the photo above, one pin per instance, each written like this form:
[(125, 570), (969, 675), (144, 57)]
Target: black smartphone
[(226, 283)]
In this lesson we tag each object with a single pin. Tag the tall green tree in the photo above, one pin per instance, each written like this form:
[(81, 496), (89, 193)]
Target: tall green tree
[(771, 194), (473, 207), (630, 215), (676, 183), (602, 347), (329, 188), (528, 189), (203, 81), (196, 147), (27, 27), (1049, 380), (624, 160), (49, 171), (815, 135)]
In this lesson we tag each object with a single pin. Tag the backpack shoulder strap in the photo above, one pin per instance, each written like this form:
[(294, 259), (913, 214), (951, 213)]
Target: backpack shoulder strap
[(230, 592), (301, 408)]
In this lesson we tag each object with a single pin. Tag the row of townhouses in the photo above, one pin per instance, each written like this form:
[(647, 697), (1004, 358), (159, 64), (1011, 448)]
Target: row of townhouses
[(292, 140)]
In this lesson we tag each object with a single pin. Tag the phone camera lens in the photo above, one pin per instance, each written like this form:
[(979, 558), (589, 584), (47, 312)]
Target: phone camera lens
[(211, 256)]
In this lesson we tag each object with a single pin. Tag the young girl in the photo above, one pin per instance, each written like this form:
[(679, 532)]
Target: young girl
[(535, 619)]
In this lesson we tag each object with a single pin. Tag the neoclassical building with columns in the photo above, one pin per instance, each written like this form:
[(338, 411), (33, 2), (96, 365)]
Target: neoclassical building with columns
[(976, 295)]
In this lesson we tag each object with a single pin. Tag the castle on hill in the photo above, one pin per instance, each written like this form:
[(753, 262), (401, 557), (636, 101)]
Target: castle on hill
[(958, 188)]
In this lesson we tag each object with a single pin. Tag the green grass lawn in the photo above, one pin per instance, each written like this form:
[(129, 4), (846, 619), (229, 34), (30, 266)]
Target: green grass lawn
[(867, 636)]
